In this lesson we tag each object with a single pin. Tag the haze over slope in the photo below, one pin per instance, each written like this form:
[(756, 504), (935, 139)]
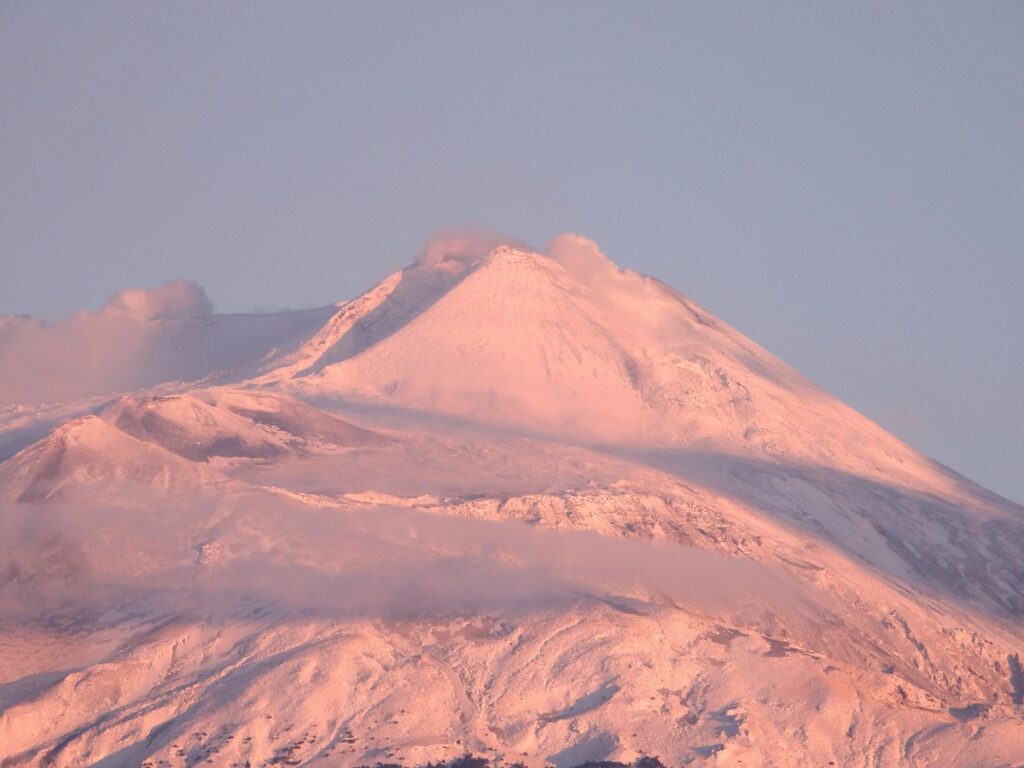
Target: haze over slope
[(138, 339), (525, 504)]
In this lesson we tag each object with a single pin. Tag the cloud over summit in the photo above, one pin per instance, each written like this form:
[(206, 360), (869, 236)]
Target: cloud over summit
[(175, 297), (581, 257), (458, 250)]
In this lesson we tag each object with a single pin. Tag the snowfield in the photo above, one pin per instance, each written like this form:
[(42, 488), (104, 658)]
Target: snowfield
[(529, 506)]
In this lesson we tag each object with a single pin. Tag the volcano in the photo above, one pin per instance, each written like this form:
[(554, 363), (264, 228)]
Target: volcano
[(529, 506)]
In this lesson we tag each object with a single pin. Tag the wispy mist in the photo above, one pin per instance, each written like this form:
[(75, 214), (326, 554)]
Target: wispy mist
[(381, 563)]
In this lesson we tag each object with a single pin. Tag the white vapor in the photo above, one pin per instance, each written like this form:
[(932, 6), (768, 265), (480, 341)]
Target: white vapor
[(176, 297), (457, 250), (581, 258), (89, 352)]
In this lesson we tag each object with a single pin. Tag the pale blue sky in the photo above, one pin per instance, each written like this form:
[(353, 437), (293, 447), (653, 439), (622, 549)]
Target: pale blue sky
[(842, 182)]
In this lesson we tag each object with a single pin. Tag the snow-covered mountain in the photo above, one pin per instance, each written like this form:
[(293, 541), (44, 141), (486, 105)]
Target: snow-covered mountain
[(527, 505)]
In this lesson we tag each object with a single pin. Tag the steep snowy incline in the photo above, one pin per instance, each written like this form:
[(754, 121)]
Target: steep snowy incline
[(508, 344), (371, 317), (568, 344)]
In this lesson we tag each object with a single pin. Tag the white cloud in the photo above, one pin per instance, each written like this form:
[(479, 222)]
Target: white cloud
[(581, 258), (176, 297), (458, 250), (90, 353)]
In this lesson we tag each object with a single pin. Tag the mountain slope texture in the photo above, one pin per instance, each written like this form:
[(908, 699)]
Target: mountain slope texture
[(529, 506)]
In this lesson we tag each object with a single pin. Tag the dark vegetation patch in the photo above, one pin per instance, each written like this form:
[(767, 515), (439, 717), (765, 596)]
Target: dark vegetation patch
[(1016, 678), (473, 761)]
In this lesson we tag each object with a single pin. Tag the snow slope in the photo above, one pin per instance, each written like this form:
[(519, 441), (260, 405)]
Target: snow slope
[(520, 341), (528, 505)]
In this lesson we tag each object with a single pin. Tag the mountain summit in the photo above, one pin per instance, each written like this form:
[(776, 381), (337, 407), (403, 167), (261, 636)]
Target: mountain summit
[(567, 343), (527, 505)]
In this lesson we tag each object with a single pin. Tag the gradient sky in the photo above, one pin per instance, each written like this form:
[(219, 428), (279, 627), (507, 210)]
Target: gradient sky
[(842, 182)]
